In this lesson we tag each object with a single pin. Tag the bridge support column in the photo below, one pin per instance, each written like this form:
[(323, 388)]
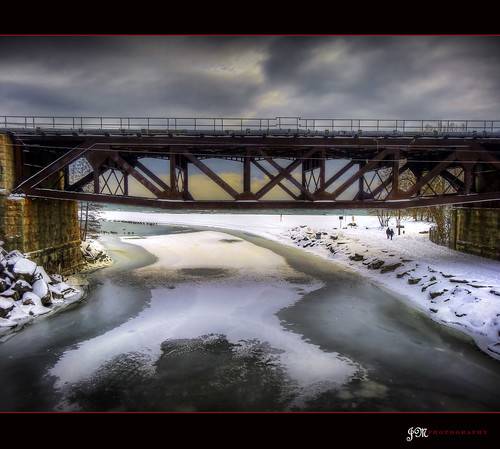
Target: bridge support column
[(48, 230), (476, 230)]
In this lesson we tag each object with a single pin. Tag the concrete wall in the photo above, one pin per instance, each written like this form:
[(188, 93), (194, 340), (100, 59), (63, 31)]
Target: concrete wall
[(47, 230), (476, 231)]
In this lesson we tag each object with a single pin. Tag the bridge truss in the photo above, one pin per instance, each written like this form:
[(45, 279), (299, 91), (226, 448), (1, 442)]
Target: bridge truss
[(283, 168)]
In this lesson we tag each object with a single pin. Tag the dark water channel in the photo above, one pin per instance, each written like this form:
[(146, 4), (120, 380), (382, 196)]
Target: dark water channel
[(409, 363)]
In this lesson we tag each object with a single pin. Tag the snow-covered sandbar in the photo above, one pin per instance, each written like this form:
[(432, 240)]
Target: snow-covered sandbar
[(453, 288)]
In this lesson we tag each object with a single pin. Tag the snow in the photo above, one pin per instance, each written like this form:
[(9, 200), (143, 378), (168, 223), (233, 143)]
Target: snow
[(205, 251), (24, 266), (42, 274), (16, 196), (453, 288), (95, 255), (40, 288), (5, 303)]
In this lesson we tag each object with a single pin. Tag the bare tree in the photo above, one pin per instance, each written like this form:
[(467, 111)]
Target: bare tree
[(90, 225)]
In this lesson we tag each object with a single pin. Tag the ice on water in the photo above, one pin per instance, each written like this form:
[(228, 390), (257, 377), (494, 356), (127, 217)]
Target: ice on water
[(241, 304)]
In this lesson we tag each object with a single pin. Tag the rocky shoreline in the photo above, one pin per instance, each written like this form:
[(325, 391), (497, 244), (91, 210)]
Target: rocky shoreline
[(28, 292), (454, 299)]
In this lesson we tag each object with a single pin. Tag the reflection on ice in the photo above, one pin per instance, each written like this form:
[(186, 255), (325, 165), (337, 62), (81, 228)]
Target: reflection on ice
[(241, 305)]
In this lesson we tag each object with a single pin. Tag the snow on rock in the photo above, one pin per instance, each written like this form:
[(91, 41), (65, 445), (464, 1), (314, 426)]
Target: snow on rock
[(24, 268), (5, 307), (41, 289), (60, 290), (29, 298), (95, 255), (12, 258), (41, 274), (27, 291)]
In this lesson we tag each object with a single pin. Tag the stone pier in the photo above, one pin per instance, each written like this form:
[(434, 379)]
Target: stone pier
[(47, 230)]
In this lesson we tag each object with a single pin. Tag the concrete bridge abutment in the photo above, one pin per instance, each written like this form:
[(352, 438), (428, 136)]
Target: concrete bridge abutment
[(47, 230), (476, 230)]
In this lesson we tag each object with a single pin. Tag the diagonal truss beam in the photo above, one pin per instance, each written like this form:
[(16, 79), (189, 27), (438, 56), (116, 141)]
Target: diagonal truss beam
[(285, 173), (81, 183), (341, 172), (133, 172), (390, 180), (454, 181), (55, 166), (210, 173), (271, 177), (155, 178), (431, 174), (366, 168)]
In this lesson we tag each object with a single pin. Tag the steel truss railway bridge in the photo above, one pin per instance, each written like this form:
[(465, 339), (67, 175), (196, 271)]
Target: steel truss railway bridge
[(281, 163)]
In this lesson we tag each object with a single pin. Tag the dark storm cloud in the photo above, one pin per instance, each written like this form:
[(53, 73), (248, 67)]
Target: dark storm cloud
[(405, 76), (123, 75), (266, 76)]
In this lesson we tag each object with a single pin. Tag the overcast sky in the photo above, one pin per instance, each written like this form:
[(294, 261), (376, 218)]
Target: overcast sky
[(404, 77)]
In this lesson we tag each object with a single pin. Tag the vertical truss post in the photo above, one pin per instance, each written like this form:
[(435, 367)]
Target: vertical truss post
[(173, 177), (247, 176), (395, 171), (185, 184), (178, 172), (66, 177), (97, 188), (418, 191), (361, 182), (322, 170), (468, 177), (469, 160), (304, 176), (310, 175), (18, 160), (125, 183), (394, 179), (247, 179), (96, 160)]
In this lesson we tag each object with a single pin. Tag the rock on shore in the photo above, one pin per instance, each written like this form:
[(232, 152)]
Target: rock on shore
[(27, 291)]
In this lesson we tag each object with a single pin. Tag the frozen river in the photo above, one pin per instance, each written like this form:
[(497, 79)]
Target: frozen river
[(202, 320)]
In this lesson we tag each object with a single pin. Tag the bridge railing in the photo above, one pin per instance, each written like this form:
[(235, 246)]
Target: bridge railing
[(221, 125), (396, 125)]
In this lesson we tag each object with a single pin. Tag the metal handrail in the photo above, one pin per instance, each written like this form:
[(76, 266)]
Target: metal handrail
[(228, 124)]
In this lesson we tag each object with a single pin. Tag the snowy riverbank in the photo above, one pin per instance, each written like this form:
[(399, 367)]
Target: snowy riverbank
[(455, 289)]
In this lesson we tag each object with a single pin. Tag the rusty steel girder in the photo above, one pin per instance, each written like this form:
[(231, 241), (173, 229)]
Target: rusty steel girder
[(311, 173)]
